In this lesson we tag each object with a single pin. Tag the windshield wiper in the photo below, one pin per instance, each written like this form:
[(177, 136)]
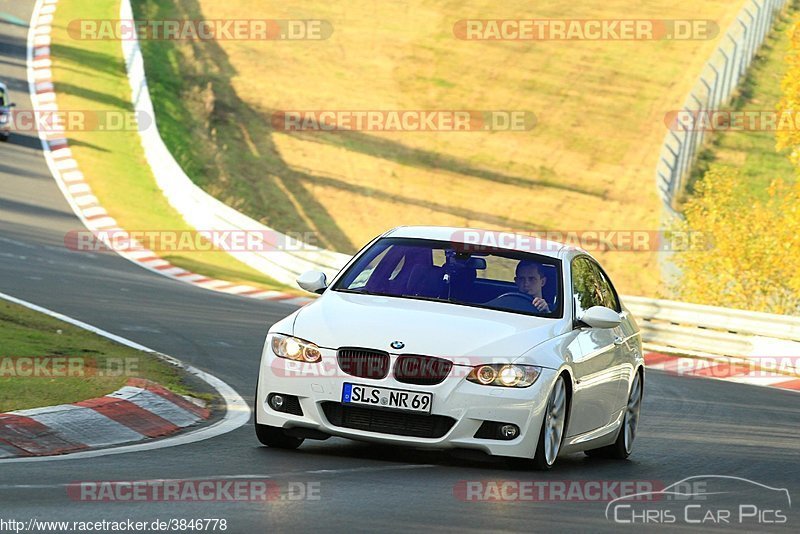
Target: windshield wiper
[(364, 292)]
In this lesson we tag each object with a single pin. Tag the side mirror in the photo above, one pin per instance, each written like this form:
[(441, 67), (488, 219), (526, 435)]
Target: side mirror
[(313, 281), (601, 317)]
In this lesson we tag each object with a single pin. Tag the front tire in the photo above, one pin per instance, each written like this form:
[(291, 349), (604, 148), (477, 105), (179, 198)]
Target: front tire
[(551, 435), (623, 446), (272, 436)]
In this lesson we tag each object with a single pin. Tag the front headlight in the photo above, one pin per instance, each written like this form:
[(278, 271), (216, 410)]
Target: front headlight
[(293, 348), (505, 375)]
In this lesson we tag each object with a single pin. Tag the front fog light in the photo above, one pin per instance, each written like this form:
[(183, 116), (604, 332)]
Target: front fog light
[(509, 431), (276, 401)]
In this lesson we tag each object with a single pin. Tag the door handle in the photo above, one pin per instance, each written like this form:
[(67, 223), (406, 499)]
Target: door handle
[(618, 340)]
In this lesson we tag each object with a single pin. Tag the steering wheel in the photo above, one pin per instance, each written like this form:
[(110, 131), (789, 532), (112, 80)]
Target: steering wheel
[(516, 300), (515, 294)]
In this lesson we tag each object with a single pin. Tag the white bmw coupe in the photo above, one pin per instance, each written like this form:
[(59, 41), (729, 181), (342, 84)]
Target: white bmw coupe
[(457, 338)]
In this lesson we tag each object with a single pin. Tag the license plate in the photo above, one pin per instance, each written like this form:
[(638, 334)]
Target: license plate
[(394, 399)]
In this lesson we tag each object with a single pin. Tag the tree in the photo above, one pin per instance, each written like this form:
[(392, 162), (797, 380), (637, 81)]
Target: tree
[(790, 98), (752, 261)]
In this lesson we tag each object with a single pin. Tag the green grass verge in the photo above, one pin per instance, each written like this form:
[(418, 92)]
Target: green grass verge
[(106, 365), (753, 152), (90, 75)]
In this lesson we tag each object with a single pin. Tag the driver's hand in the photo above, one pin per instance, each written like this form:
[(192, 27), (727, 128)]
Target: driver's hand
[(540, 304)]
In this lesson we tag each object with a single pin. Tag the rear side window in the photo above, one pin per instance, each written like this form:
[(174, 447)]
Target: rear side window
[(586, 291), (609, 295), (591, 287)]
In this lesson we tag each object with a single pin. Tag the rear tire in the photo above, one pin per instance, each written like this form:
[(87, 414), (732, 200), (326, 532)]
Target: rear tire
[(623, 446), (551, 435)]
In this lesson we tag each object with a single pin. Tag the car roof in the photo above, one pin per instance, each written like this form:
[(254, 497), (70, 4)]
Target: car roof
[(492, 238)]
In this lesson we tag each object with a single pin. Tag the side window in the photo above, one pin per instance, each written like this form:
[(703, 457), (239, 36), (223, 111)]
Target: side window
[(586, 287), (609, 296)]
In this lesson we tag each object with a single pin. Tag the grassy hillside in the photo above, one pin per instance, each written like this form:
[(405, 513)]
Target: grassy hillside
[(587, 165)]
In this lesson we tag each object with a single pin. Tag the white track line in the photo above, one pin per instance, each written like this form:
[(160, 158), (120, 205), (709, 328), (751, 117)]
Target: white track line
[(237, 412)]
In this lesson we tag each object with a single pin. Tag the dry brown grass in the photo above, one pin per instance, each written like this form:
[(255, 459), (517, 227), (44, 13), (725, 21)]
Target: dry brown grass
[(587, 165)]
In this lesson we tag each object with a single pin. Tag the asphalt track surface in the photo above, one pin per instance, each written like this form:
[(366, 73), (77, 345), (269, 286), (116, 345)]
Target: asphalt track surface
[(689, 427)]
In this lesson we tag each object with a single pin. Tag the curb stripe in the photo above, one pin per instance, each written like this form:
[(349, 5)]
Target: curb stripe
[(33, 437), (9, 451), (791, 384), (160, 390), (88, 426), (150, 402), (736, 371), (130, 415), (652, 358)]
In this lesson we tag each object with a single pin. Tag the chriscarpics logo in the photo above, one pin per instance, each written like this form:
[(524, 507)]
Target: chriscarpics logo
[(705, 500)]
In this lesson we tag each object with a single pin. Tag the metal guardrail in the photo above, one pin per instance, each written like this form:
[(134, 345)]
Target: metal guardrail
[(714, 330), (713, 89)]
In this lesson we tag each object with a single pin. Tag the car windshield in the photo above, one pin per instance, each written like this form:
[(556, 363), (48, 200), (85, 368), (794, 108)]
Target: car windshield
[(506, 280)]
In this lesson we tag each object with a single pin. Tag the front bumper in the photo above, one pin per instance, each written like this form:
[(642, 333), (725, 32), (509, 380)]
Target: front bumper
[(468, 404)]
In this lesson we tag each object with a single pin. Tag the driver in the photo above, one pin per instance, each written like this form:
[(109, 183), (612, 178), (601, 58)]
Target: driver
[(530, 281)]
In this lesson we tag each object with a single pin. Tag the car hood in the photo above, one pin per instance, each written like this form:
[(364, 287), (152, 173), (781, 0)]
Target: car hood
[(432, 328)]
